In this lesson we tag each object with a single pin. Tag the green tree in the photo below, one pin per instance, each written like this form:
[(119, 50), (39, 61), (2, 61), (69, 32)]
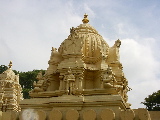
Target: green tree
[(26, 80), (152, 102), (3, 68)]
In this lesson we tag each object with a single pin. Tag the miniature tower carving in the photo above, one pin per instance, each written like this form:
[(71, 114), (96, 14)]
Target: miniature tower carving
[(10, 91)]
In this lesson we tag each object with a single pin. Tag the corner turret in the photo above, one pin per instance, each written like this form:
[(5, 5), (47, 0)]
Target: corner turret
[(10, 91)]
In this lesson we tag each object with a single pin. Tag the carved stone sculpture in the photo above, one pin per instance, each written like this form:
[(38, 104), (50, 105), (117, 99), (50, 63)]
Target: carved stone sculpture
[(84, 80), (83, 62), (109, 79), (69, 80), (41, 85), (10, 91)]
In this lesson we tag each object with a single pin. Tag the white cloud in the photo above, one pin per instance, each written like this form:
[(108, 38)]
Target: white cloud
[(30, 33), (30, 28), (140, 68), (88, 10), (121, 29)]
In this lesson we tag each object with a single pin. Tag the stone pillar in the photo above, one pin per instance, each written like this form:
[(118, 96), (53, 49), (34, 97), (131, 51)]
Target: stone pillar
[(0, 115), (61, 82)]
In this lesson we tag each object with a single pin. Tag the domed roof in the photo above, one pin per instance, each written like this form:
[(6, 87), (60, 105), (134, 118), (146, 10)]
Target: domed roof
[(8, 74), (85, 41), (86, 28)]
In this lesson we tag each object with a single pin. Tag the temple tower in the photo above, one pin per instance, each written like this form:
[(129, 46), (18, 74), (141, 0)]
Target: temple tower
[(10, 91), (85, 78)]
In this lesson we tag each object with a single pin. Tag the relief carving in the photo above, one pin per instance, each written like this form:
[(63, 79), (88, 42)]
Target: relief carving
[(41, 85), (69, 79), (109, 80)]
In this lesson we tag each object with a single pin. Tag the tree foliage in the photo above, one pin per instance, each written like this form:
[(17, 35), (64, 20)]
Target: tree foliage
[(3, 68), (26, 79), (152, 102)]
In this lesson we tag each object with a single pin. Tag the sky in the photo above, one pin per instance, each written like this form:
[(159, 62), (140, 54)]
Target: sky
[(30, 28)]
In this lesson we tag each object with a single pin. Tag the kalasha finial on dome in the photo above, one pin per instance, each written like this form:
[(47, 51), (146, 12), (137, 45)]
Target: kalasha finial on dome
[(10, 64), (85, 20)]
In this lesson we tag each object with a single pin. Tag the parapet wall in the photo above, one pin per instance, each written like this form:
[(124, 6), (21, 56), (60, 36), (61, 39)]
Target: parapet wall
[(72, 114), (155, 115)]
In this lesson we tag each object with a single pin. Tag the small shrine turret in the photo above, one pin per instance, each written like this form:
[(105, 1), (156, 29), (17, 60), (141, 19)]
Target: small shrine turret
[(10, 91)]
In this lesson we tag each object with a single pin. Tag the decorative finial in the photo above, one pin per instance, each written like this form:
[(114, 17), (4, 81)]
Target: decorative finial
[(10, 64), (85, 20)]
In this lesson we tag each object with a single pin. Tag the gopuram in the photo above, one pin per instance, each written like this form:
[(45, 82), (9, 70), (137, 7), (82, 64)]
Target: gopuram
[(84, 81)]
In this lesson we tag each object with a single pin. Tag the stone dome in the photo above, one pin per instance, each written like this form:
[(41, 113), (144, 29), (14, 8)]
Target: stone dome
[(85, 41)]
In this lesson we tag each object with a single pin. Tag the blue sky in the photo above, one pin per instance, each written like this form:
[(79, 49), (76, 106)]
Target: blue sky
[(28, 30)]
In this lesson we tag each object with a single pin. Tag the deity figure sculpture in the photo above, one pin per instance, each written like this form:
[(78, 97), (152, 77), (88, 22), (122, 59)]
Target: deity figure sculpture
[(38, 86), (114, 52), (117, 43), (54, 49), (11, 84), (73, 31), (70, 82), (5, 105), (39, 76), (55, 58), (109, 79)]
